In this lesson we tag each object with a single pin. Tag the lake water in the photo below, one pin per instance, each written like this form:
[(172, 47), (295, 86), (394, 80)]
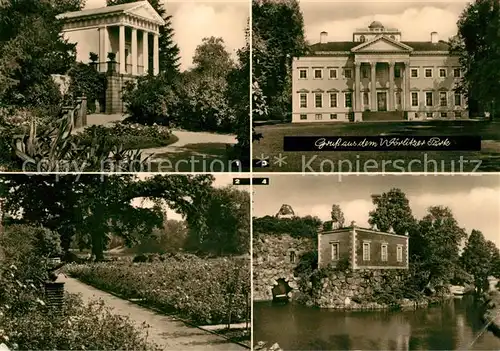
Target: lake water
[(455, 325)]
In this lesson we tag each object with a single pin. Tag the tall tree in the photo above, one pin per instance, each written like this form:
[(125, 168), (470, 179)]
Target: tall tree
[(212, 58), (392, 210), (337, 215), (168, 50), (478, 46), (279, 25), (96, 206), (476, 259), (31, 49), (434, 247)]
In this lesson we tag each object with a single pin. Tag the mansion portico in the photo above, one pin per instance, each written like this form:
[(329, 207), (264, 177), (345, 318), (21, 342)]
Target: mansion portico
[(376, 76)]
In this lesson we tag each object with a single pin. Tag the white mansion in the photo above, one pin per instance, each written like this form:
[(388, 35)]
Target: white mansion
[(376, 76)]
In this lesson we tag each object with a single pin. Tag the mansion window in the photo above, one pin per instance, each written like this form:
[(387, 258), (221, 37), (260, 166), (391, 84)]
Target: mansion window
[(458, 114), (333, 99), (365, 98), (414, 73), (347, 73), (303, 100), (303, 74), (303, 117), (333, 73), (444, 114), (428, 98), (442, 73), (398, 98), (458, 99), (365, 73), (429, 114), (456, 72), (335, 251), (383, 252), (318, 74), (399, 253), (397, 72), (443, 99), (333, 116), (428, 73), (414, 98), (366, 251), (318, 117), (348, 99), (318, 100)]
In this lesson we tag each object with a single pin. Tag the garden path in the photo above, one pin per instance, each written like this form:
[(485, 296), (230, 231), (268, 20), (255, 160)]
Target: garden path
[(168, 332)]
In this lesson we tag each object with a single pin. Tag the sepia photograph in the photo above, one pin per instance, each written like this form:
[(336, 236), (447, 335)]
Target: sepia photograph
[(339, 83), (380, 262), (122, 262), (124, 86)]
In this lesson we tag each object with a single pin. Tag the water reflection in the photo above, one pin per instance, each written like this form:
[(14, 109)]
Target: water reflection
[(452, 326)]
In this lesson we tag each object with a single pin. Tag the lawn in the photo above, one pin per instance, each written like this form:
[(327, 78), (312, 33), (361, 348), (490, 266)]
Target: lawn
[(203, 157), (486, 160)]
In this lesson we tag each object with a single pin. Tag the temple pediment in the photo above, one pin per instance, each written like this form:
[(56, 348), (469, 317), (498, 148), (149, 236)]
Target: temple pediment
[(382, 44), (147, 12)]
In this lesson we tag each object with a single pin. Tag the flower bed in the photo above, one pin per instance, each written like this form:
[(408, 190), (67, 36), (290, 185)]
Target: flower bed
[(130, 136), (204, 292)]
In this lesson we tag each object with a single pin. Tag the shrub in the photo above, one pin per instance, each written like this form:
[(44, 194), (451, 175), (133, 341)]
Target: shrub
[(150, 100), (305, 227), (202, 291), (130, 136), (85, 80)]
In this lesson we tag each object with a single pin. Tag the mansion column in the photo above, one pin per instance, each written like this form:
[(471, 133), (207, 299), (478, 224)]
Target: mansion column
[(391, 87), (156, 54), (373, 77), (357, 87), (121, 50), (103, 48), (407, 87), (134, 51), (145, 51)]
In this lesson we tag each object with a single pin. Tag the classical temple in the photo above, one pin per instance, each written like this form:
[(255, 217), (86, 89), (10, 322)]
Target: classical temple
[(125, 38)]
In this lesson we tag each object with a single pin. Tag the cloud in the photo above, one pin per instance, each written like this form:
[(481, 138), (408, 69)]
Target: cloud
[(416, 21)]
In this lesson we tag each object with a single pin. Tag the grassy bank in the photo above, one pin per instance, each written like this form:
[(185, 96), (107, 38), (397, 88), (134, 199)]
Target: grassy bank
[(492, 313)]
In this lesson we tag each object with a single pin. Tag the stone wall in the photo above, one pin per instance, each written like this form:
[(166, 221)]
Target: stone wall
[(353, 290), (272, 261), (115, 83)]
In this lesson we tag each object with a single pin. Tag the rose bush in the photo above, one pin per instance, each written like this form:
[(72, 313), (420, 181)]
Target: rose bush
[(202, 291)]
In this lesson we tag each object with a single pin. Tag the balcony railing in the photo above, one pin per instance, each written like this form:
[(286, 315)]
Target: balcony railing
[(115, 67)]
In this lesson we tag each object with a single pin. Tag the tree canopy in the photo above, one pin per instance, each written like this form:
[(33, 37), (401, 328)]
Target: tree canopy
[(95, 207), (478, 45)]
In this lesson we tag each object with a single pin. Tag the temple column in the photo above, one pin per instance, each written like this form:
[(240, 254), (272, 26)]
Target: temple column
[(391, 87), (373, 102), (103, 48), (357, 86), (145, 51), (407, 87), (134, 51), (156, 54), (121, 45)]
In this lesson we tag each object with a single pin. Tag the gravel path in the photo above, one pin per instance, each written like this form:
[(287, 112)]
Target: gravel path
[(166, 331)]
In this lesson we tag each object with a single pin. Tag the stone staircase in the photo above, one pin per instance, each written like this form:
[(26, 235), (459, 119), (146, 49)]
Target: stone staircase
[(376, 116)]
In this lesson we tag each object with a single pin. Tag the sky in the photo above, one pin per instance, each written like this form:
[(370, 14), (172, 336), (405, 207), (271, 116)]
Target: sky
[(415, 19), (473, 199), (193, 20), (221, 180)]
